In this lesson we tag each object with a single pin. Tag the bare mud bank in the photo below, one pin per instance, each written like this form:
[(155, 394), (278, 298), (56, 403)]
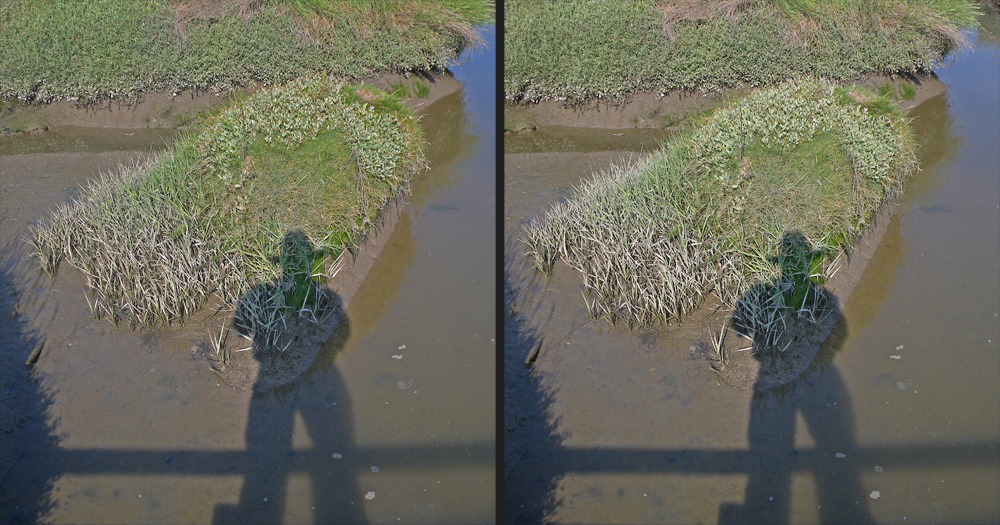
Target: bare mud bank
[(180, 110), (651, 110)]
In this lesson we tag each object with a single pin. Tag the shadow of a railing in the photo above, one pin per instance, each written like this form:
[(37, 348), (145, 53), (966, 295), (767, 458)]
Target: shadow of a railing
[(187, 463), (552, 464), (737, 461), (92, 461)]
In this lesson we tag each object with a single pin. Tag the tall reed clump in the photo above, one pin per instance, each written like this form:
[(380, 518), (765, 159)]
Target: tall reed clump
[(316, 158), (711, 210)]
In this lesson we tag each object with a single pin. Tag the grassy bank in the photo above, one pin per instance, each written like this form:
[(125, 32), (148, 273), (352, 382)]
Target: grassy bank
[(584, 49), (97, 50), (271, 190), (753, 203)]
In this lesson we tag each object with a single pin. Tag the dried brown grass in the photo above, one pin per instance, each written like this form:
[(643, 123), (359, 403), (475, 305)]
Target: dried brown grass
[(186, 11), (675, 11)]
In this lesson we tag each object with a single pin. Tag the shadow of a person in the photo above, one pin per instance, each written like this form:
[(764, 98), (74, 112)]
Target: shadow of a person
[(290, 322), (796, 326)]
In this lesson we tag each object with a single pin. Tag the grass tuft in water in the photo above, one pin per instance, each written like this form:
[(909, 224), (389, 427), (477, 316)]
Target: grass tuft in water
[(270, 191), (767, 190)]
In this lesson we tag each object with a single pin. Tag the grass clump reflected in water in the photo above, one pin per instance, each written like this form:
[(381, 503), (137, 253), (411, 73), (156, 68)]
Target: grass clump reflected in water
[(213, 214), (708, 212)]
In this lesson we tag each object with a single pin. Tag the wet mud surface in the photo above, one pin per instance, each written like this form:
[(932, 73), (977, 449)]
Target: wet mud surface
[(894, 418), (136, 427)]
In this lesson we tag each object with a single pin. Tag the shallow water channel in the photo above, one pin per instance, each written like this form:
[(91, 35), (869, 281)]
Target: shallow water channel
[(113, 426), (613, 426)]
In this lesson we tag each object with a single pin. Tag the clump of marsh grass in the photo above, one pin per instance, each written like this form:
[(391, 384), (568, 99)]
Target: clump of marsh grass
[(684, 45), (91, 52), (138, 241), (214, 213), (714, 210)]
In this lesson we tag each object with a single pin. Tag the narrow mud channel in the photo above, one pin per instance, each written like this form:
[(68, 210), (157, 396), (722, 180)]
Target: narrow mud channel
[(898, 421), (111, 426)]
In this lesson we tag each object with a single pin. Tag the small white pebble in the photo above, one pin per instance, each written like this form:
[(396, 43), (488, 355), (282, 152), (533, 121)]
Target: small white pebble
[(265, 499), (336, 456), (370, 496), (874, 495), (374, 470), (397, 357), (898, 348), (841, 455), (895, 357), (878, 469), (401, 347)]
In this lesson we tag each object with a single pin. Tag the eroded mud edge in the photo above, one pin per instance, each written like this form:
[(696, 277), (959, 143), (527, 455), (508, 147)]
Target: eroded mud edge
[(652, 111), (160, 109)]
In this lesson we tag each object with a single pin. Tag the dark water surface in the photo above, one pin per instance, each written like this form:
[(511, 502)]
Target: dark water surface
[(112, 426), (611, 426)]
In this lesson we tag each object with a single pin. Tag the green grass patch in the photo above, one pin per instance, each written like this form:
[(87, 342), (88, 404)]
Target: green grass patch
[(769, 189), (118, 49), (271, 190), (421, 89), (907, 91), (584, 49)]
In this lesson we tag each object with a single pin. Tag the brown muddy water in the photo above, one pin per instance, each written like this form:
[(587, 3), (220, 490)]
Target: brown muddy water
[(612, 426), (112, 426)]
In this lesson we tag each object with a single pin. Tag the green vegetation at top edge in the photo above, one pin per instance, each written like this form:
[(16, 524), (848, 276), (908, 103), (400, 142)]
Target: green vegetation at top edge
[(95, 50), (584, 49), (270, 190), (761, 195)]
